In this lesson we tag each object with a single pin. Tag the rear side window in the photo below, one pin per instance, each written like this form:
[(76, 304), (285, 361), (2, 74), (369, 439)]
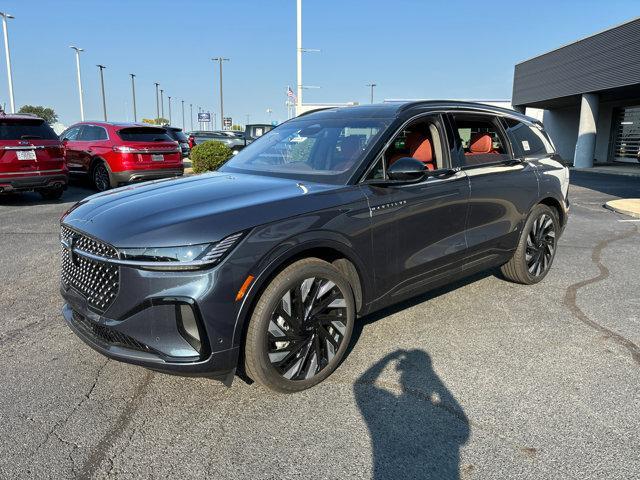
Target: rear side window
[(26, 130), (178, 135), (527, 140), (481, 138), (144, 134), (92, 132)]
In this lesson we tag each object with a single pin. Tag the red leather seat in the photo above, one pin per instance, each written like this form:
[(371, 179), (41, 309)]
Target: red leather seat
[(480, 145), (420, 148)]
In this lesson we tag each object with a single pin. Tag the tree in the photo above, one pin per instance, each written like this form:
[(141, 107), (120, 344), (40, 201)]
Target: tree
[(46, 113), (156, 121), (236, 128)]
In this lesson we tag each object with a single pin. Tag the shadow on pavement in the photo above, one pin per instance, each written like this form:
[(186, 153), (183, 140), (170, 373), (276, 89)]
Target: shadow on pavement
[(78, 189), (614, 185), (418, 429)]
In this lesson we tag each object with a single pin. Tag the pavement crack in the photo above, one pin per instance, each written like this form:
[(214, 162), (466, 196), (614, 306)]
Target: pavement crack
[(100, 452), (570, 298)]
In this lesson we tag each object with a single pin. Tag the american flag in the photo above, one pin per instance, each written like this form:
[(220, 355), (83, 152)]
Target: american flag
[(290, 94)]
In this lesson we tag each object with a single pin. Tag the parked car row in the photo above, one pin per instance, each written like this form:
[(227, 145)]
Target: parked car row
[(34, 158), (235, 140)]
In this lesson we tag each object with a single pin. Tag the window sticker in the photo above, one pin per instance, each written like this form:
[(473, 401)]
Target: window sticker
[(297, 139), (525, 146)]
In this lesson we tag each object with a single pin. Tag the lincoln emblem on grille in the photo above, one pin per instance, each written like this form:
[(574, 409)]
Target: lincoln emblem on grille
[(71, 239)]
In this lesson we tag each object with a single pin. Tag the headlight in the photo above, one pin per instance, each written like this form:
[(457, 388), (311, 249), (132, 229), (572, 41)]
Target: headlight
[(188, 257), (165, 254)]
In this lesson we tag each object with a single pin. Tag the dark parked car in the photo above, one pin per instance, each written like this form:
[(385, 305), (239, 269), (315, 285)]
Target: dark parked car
[(112, 154), (31, 157), (264, 265), (178, 135), (254, 131)]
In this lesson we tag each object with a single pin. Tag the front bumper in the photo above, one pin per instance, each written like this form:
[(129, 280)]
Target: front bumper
[(142, 324), (33, 182), (132, 176)]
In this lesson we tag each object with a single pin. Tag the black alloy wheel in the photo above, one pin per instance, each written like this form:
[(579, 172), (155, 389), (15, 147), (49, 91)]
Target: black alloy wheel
[(101, 177), (307, 328), (536, 248), (541, 245), (300, 327)]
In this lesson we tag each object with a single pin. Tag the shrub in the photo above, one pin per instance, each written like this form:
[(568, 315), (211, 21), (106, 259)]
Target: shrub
[(209, 155)]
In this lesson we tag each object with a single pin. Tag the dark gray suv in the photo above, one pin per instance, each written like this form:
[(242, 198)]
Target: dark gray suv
[(264, 266)]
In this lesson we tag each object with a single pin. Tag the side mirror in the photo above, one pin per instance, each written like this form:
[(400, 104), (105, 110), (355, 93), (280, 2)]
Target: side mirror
[(406, 169)]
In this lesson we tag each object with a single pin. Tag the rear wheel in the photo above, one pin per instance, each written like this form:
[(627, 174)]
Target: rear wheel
[(300, 327), (101, 178), (536, 248)]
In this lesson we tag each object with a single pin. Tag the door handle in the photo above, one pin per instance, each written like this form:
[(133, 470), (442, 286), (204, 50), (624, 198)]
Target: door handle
[(445, 173)]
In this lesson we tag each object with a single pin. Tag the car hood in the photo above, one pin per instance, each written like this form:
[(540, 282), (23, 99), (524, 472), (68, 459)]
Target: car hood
[(198, 209)]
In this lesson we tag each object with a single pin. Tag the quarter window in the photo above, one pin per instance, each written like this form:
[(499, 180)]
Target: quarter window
[(527, 140), (92, 132), (481, 139)]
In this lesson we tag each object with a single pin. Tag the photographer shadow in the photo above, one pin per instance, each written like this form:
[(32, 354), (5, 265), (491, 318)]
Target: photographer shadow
[(417, 428)]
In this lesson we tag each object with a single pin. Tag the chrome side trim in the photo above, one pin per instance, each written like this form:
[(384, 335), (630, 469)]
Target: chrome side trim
[(27, 147), (31, 172)]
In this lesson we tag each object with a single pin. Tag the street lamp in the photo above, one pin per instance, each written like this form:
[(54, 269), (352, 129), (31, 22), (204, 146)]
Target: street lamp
[(269, 112), (169, 97), (182, 101), (157, 104), (161, 103), (191, 115), (6, 16), (299, 52), (133, 93), (104, 101), (372, 85), (80, 93), (220, 60)]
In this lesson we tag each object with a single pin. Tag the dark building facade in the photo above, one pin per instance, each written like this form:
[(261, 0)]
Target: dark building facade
[(587, 93)]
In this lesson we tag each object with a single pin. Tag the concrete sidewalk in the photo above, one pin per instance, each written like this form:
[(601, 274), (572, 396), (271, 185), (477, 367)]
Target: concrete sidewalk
[(624, 169), (626, 206)]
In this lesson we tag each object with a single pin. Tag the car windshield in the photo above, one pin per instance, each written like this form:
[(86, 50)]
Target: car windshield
[(325, 150)]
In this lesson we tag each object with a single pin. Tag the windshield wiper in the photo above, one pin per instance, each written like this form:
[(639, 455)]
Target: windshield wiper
[(29, 137)]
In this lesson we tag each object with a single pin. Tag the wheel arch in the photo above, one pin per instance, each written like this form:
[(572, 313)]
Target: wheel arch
[(334, 252), (554, 203)]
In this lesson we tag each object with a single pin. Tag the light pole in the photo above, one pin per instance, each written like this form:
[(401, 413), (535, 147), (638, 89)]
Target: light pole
[(182, 101), (6, 16), (104, 101), (80, 93), (157, 102), (372, 85), (299, 52), (169, 97), (191, 115), (269, 112), (133, 93), (220, 60), (161, 103)]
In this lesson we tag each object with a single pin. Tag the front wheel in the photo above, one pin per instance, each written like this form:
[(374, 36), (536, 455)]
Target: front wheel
[(536, 248), (300, 327)]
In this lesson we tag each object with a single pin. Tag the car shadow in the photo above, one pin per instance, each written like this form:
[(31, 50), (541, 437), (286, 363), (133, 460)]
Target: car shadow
[(77, 190), (417, 428)]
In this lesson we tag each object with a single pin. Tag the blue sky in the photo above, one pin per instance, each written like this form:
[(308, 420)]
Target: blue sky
[(410, 48)]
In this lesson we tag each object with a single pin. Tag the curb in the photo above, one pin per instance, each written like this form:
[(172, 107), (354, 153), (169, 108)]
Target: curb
[(626, 206)]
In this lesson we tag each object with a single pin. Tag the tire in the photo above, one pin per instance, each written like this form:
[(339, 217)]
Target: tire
[(100, 176), (51, 193), (288, 355), (536, 247)]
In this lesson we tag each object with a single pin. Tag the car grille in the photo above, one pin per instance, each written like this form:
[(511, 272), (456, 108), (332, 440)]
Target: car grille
[(96, 281), (108, 335)]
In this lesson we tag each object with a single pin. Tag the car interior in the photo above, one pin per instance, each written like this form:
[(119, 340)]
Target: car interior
[(481, 139)]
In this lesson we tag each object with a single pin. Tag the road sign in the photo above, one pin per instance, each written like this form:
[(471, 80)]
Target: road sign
[(204, 117), (227, 122)]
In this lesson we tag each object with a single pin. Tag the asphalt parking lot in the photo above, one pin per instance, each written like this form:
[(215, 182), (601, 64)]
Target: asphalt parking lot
[(482, 379)]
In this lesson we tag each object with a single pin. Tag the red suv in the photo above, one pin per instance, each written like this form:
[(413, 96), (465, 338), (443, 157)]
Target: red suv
[(31, 157), (117, 153)]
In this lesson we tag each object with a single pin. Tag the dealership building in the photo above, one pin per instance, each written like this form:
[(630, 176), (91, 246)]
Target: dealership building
[(587, 94)]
